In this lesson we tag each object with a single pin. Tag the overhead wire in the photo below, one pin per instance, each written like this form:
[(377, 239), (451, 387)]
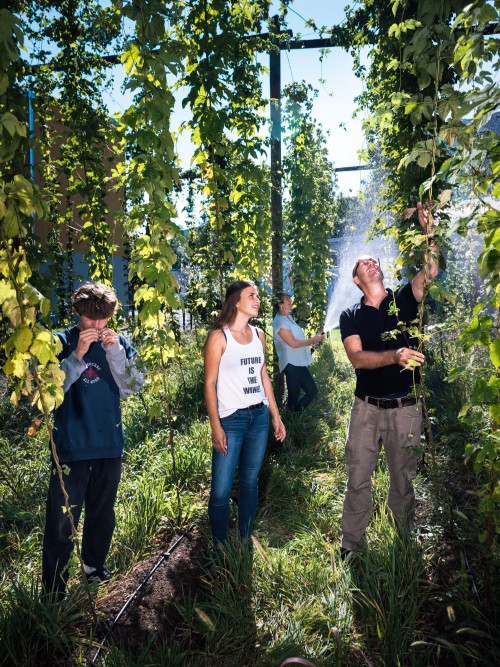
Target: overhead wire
[(290, 66), (315, 30)]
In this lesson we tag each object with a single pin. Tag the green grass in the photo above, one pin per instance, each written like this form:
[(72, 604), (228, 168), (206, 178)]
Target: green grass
[(35, 633), (393, 605)]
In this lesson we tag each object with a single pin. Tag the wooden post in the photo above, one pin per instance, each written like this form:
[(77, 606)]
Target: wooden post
[(276, 168), (276, 187)]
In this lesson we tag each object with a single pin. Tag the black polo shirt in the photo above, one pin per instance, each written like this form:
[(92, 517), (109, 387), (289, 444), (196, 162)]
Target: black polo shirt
[(369, 324)]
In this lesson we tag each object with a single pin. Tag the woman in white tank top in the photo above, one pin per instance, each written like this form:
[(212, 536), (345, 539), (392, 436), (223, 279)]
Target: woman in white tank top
[(239, 399)]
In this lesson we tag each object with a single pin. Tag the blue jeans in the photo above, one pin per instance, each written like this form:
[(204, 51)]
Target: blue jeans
[(297, 378), (246, 431)]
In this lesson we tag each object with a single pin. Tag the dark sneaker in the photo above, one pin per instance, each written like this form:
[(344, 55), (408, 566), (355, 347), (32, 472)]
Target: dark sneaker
[(98, 576), (346, 554)]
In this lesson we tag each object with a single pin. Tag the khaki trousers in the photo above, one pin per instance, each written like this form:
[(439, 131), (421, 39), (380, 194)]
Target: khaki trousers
[(398, 429)]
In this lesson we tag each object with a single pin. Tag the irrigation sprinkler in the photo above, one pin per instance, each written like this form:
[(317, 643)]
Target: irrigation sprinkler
[(131, 597)]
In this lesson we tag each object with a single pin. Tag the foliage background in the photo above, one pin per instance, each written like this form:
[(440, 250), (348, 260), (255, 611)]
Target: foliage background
[(430, 92)]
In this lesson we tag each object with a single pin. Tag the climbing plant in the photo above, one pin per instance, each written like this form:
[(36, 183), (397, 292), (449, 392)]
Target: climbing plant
[(225, 99), (73, 128), (310, 209), (151, 57), (434, 132), (397, 71), (29, 348), (476, 162)]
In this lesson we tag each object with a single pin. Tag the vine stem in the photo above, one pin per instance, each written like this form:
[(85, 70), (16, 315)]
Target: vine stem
[(18, 288), (170, 439), (427, 424), (46, 413), (59, 470)]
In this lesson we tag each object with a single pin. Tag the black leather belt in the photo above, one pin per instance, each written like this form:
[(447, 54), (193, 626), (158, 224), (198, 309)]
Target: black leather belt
[(388, 403), (257, 405)]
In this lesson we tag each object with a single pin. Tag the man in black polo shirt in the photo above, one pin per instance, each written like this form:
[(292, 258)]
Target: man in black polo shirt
[(386, 407)]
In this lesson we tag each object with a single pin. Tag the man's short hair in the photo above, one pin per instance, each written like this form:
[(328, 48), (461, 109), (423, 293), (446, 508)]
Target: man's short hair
[(95, 301), (360, 259)]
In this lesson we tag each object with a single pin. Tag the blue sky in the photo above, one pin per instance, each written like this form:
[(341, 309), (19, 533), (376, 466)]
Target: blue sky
[(333, 107)]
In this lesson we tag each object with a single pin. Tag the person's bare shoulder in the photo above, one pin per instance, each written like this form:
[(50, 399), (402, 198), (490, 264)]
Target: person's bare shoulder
[(216, 340), (216, 334)]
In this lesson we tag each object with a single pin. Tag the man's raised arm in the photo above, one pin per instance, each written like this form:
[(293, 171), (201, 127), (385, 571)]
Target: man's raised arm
[(431, 267)]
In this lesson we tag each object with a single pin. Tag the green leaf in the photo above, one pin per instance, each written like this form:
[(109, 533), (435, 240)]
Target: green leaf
[(423, 159), (487, 13), (464, 410), (131, 58), (440, 293), (482, 537), (22, 338), (484, 392), (10, 223), (12, 125), (7, 292), (478, 331), (4, 82), (489, 261), (495, 412), (495, 353), (45, 307), (493, 238), (43, 347), (16, 365), (455, 373)]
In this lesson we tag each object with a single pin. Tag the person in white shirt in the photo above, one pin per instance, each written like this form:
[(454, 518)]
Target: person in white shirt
[(294, 356), (239, 399)]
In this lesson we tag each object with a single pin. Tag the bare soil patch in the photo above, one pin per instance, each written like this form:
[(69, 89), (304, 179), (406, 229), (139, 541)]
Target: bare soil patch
[(153, 611)]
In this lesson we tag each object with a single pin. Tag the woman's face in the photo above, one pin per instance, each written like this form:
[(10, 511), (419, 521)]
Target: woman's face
[(286, 306), (249, 302)]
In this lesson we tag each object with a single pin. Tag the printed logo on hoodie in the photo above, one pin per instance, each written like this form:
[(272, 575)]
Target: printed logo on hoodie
[(91, 374)]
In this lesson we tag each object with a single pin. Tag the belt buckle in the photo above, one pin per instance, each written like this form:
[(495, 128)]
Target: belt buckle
[(387, 403)]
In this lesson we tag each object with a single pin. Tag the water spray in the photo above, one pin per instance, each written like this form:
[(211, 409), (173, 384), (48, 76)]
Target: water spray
[(354, 242)]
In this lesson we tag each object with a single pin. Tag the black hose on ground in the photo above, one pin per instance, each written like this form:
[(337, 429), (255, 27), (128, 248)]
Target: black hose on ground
[(131, 597)]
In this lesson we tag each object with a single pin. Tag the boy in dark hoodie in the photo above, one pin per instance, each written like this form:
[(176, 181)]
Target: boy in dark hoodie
[(100, 367)]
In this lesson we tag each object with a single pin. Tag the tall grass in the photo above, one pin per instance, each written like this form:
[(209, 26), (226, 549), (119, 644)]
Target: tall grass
[(150, 655), (291, 595), (390, 591), (37, 633)]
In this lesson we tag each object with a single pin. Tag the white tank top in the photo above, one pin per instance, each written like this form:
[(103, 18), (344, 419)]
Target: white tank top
[(239, 382)]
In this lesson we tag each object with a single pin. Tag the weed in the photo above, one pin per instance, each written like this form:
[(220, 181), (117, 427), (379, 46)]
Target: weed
[(412, 600), (35, 632)]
